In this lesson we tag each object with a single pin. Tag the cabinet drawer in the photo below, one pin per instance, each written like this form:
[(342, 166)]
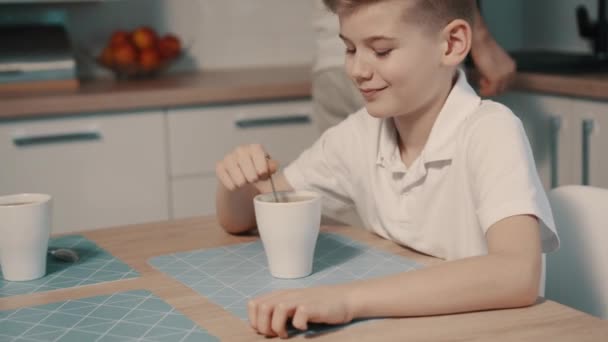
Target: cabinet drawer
[(193, 196), (101, 170), (199, 137)]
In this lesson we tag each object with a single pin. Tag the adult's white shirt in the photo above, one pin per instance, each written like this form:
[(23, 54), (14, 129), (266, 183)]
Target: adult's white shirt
[(330, 48)]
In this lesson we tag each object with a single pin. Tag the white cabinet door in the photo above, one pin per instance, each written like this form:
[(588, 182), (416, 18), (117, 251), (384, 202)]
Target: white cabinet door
[(101, 170), (193, 196), (199, 137), (594, 142), (549, 122)]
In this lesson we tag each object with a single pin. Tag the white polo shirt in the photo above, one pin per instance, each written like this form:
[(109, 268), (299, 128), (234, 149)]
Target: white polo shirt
[(476, 169)]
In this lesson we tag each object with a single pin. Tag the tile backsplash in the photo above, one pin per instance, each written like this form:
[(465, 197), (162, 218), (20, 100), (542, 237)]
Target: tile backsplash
[(218, 33), (244, 33), (540, 24)]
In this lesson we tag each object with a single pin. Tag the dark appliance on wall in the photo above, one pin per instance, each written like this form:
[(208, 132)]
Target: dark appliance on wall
[(571, 63)]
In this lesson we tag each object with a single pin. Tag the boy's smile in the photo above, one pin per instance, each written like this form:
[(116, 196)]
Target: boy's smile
[(371, 93)]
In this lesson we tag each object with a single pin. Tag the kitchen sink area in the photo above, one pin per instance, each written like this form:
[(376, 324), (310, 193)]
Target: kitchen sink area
[(558, 62)]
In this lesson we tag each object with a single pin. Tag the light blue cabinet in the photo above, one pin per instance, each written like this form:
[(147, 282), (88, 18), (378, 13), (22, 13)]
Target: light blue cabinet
[(568, 136)]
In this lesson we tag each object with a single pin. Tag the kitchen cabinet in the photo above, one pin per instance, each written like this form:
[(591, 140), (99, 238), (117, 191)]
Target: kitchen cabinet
[(594, 150), (566, 137), (199, 137), (102, 170)]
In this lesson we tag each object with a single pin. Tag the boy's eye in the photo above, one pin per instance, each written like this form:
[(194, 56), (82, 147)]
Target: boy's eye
[(350, 51), (383, 53)]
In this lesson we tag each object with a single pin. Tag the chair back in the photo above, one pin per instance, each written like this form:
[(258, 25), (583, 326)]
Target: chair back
[(577, 273)]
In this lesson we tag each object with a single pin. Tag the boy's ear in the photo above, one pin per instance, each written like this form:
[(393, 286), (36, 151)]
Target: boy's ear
[(457, 40)]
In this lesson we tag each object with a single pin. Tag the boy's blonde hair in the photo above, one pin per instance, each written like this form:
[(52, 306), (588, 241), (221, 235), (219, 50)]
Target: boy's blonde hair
[(433, 14)]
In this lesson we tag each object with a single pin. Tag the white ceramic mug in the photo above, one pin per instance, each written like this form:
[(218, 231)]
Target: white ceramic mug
[(25, 229), (289, 230)]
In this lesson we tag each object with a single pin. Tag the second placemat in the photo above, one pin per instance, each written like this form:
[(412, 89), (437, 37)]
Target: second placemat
[(95, 265)]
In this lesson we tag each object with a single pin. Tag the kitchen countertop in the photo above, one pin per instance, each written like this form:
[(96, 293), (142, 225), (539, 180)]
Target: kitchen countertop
[(591, 86), (187, 89), (544, 321), (223, 86)]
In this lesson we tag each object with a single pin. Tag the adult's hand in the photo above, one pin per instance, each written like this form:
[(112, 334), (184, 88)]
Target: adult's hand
[(496, 68)]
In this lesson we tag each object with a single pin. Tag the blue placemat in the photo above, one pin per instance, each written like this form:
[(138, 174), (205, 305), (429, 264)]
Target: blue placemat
[(125, 316), (229, 276), (94, 266)]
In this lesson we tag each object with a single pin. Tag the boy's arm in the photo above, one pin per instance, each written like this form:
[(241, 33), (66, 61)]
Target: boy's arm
[(508, 276)]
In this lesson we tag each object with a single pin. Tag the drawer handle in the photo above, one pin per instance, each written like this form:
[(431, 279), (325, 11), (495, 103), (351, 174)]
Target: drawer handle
[(295, 119), (47, 139), (588, 126), (556, 126)]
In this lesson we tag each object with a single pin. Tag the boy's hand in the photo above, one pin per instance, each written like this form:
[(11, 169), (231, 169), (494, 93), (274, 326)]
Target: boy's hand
[(268, 314), (247, 164)]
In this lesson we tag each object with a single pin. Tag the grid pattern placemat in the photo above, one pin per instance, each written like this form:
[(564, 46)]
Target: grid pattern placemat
[(94, 266), (229, 276), (125, 316)]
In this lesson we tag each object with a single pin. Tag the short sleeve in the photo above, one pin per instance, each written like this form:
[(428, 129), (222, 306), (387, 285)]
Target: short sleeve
[(324, 167), (503, 174)]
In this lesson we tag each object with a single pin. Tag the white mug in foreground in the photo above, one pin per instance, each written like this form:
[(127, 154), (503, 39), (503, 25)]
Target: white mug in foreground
[(289, 230), (25, 229)]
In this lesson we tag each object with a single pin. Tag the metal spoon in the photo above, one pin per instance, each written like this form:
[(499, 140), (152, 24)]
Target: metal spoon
[(64, 254), (274, 190)]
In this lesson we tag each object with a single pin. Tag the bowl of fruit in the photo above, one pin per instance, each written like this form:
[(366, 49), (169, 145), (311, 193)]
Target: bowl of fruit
[(139, 53)]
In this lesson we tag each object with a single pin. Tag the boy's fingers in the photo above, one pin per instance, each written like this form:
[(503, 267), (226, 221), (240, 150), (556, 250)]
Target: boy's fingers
[(260, 161), (223, 176), (300, 318), (279, 319), (263, 319), (252, 311), (236, 175), (246, 165), (273, 166)]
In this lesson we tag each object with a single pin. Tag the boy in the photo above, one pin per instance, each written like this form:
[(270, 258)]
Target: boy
[(427, 164)]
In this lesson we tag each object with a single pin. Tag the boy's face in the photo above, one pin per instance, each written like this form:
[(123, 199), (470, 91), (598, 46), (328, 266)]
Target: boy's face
[(395, 63)]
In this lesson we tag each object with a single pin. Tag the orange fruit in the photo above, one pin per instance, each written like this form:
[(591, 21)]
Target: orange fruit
[(124, 55), (144, 37), (169, 46), (149, 59), (119, 37)]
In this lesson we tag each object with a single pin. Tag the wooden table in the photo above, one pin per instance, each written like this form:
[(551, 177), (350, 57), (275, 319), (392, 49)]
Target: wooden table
[(545, 321)]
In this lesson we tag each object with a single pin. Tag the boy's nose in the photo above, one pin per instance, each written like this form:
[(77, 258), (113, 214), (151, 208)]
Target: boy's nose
[(359, 70)]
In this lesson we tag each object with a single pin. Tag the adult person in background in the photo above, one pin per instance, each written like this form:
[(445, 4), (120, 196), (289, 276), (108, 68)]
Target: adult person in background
[(334, 95)]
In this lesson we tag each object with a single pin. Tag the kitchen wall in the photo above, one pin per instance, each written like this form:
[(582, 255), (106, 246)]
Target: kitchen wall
[(551, 24), (244, 33), (538, 24), (505, 21)]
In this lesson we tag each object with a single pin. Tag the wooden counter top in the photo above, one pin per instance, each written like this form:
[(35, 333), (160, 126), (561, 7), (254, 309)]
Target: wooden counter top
[(222, 86), (545, 321), (171, 91), (592, 86)]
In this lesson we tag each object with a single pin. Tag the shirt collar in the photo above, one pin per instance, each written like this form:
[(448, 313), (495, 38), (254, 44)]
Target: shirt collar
[(461, 102), (388, 148)]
